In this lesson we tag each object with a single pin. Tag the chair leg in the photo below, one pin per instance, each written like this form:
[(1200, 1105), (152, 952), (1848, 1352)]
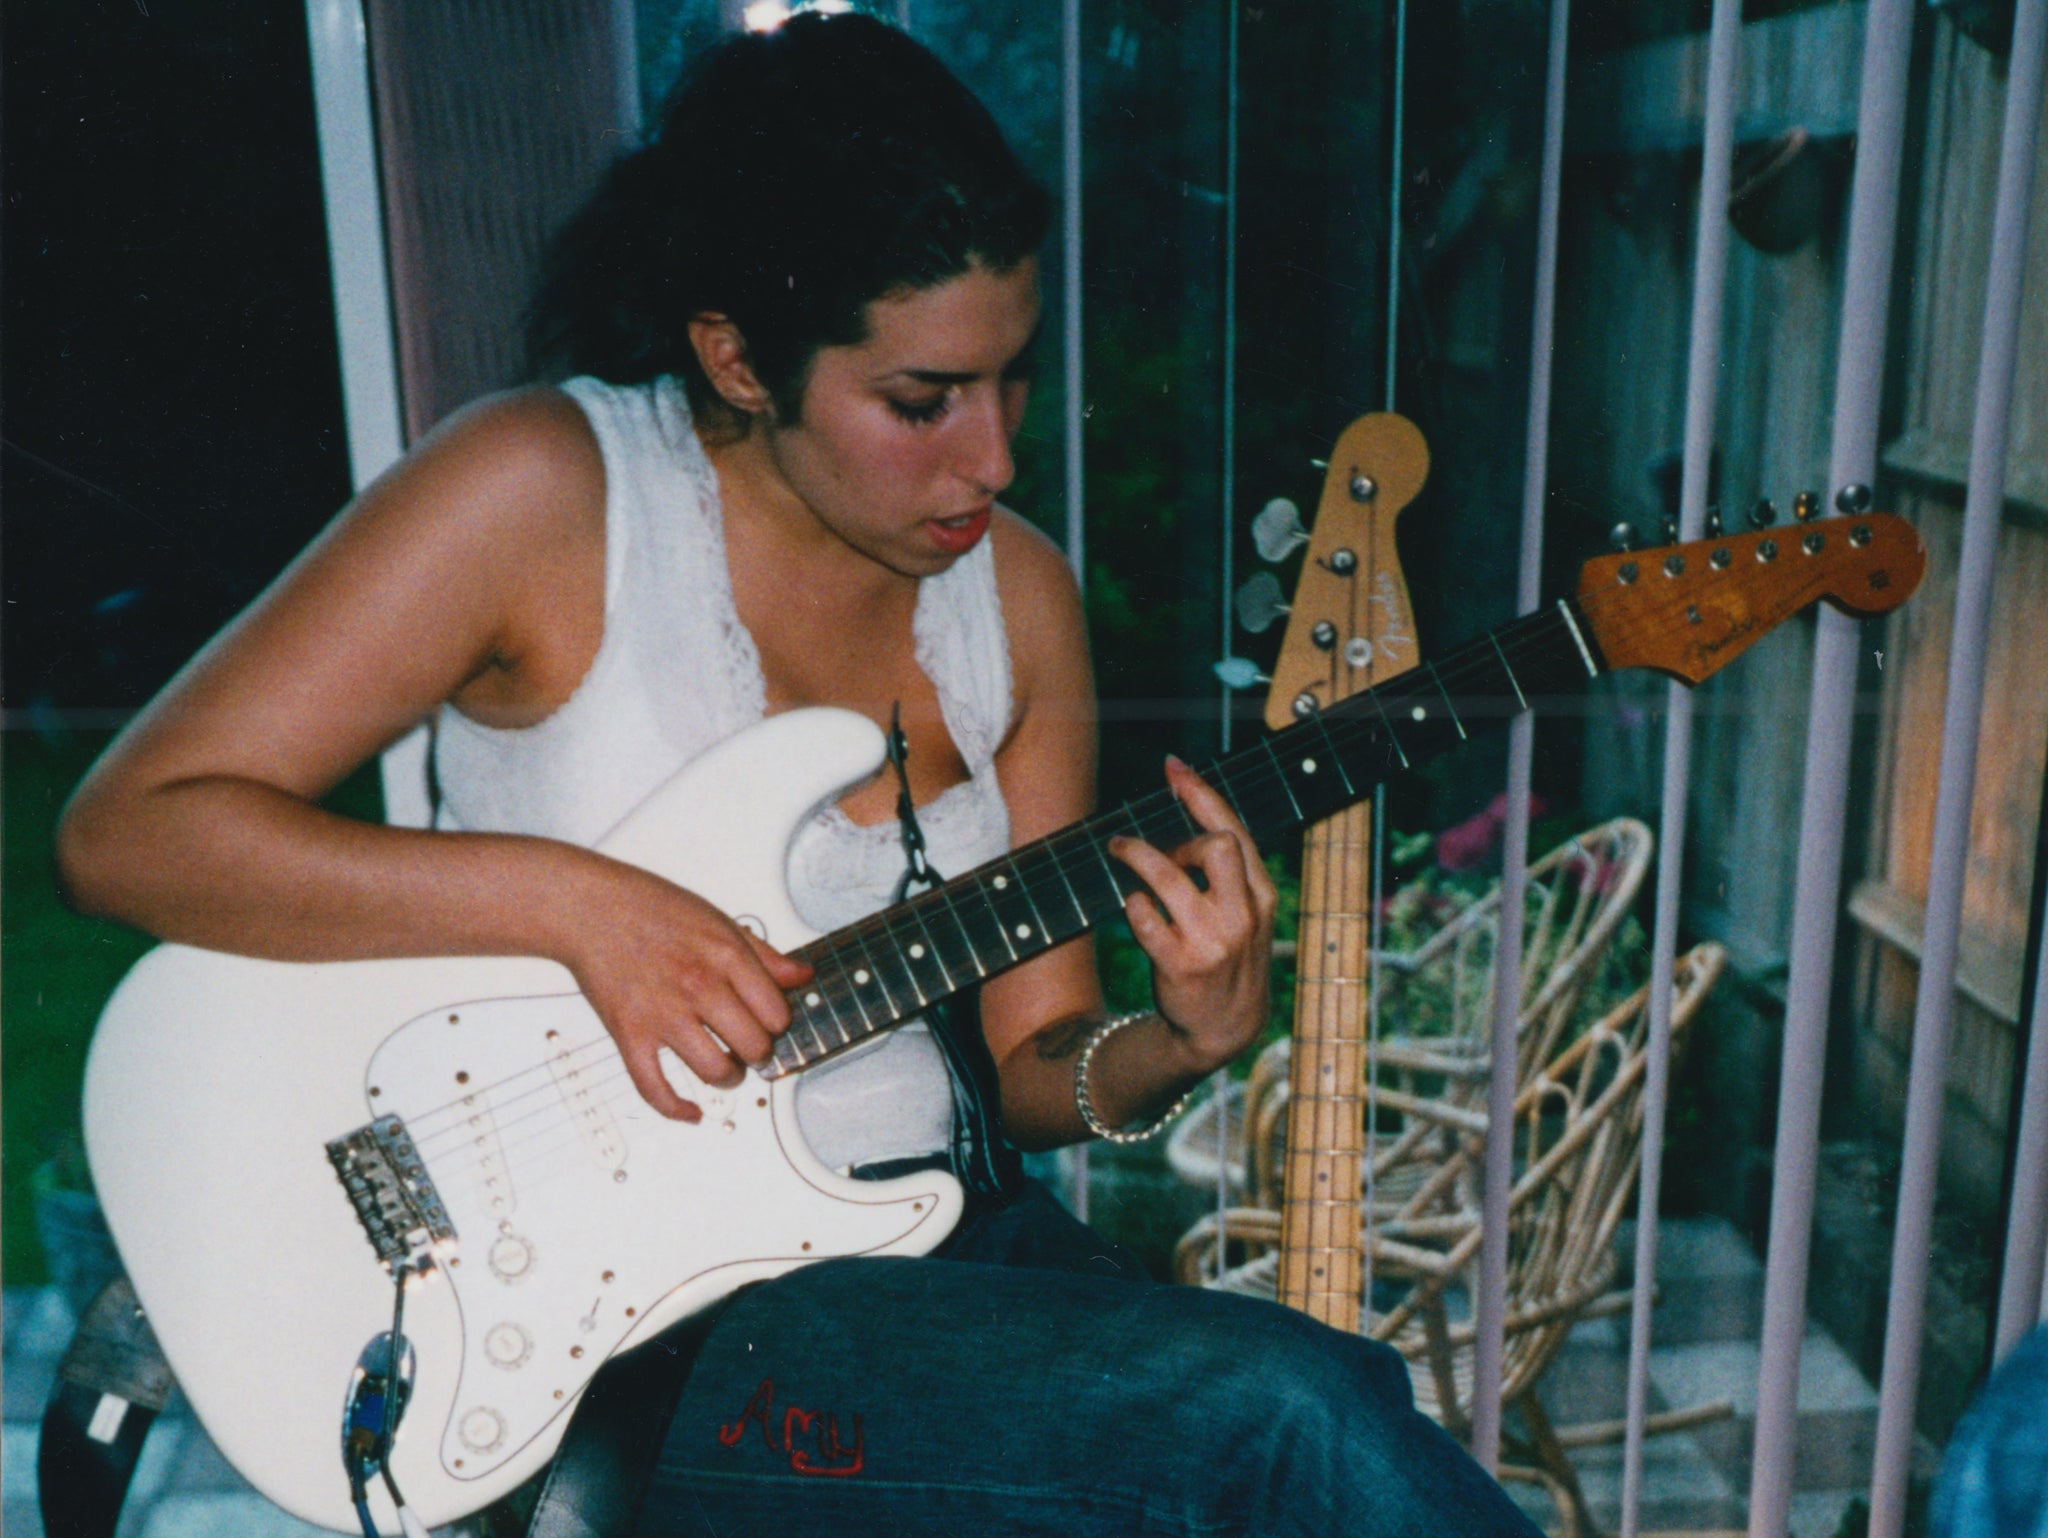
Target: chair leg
[(1555, 1462)]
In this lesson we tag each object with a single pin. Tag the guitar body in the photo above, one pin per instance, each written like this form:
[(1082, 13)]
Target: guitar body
[(583, 1221)]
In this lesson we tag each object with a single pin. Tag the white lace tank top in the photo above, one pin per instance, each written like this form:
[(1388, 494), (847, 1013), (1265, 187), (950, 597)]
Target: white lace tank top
[(677, 672)]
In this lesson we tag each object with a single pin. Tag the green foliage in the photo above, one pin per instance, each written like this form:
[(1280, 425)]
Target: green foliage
[(59, 969)]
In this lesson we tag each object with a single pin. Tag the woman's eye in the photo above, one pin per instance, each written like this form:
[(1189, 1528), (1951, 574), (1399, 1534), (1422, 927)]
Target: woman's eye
[(920, 411)]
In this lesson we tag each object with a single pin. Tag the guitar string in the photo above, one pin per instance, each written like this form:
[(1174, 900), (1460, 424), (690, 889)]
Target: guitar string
[(1151, 816), (1542, 639), (568, 1113), (1143, 816)]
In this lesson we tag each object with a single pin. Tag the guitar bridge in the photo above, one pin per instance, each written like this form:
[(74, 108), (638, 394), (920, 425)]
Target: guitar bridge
[(393, 1194)]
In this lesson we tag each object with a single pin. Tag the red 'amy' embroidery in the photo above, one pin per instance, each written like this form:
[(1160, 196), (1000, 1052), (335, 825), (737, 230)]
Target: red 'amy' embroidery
[(810, 1437)]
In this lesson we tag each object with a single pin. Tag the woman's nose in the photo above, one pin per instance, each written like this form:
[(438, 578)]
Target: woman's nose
[(987, 460)]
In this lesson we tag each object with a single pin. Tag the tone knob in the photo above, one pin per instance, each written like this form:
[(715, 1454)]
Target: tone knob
[(482, 1430), (507, 1345), (511, 1257)]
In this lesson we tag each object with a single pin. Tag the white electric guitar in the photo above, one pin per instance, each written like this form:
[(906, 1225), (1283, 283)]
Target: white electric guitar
[(269, 1139)]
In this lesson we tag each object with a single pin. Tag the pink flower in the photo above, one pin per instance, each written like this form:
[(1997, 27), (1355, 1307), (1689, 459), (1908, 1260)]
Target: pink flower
[(1471, 843)]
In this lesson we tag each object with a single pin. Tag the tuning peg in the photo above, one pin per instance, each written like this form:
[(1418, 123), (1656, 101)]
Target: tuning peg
[(1670, 531), (1240, 673), (1622, 537), (1260, 602), (1277, 529), (1712, 527), (1853, 499), (1806, 506), (1762, 515)]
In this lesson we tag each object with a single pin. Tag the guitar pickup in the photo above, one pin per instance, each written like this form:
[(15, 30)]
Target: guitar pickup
[(393, 1195)]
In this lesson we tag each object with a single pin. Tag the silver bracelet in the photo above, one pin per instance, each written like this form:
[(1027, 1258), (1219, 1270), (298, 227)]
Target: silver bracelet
[(1095, 1123)]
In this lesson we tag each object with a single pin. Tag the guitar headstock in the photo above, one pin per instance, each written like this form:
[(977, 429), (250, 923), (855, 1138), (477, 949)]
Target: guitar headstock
[(1689, 610), (1350, 626)]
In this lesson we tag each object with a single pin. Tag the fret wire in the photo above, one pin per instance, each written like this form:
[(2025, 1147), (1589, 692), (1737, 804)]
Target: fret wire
[(1351, 791), (1039, 932), (1029, 883), (1281, 774), (1164, 810), (900, 954), (1002, 931), (874, 971), (917, 905), (945, 894), (1463, 735), (1161, 805), (1110, 867), (1042, 862), (1074, 892), (825, 983), (821, 987), (1218, 775), (1392, 735)]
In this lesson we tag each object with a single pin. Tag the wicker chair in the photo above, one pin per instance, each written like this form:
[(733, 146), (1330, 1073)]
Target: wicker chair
[(1578, 1150), (1577, 896)]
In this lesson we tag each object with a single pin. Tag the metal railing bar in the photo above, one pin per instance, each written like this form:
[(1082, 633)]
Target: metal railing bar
[(1702, 390), (1934, 1008), (1072, 362), (1490, 1304), (1859, 383), (2020, 1292)]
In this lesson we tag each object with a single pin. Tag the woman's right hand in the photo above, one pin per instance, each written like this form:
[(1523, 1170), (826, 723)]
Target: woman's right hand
[(664, 968)]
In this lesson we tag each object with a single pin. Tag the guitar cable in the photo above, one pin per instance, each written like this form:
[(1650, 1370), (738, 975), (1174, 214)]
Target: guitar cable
[(375, 1405)]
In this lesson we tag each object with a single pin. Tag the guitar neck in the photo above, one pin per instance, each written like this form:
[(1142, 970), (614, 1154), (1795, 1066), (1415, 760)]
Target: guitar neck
[(1319, 1219), (896, 964)]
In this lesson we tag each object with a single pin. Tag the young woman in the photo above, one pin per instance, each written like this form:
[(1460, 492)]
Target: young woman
[(799, 325)]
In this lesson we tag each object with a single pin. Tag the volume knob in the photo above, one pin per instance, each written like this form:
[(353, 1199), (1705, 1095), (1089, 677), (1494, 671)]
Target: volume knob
[(507, 1345), (482, 1430), (511, 1257)]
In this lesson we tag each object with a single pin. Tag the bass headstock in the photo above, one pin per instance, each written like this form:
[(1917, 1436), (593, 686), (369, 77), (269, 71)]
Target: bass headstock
[(1350, 626)]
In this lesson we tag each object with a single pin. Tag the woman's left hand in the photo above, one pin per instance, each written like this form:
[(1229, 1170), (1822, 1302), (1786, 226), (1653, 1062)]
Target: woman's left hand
[(1212, 951)]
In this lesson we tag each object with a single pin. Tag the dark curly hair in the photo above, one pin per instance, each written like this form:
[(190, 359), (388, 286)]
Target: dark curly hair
[(796, 176)]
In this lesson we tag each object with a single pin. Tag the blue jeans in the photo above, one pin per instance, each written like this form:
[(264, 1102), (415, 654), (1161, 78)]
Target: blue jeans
[(1029, 1380), (1994, 1478)]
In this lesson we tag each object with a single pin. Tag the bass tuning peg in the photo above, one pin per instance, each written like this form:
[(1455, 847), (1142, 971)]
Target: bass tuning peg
[(1622, 538), (1277, 530), (1260, 602), (1240, 673)]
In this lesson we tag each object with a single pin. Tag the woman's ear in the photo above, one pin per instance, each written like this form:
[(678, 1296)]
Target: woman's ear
[(723, 353)]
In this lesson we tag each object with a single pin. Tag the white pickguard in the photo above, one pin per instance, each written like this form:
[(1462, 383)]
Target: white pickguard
[(584, 1221)]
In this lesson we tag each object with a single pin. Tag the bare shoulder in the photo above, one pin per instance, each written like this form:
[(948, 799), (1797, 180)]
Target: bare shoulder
[(523, 464), (1041, 607)]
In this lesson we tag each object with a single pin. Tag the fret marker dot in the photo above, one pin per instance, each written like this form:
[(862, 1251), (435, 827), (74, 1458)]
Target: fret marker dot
[(1000, 882), (1023, 931), (917, 953), (861, 976), (1419, 714), (813, 1000), (1308, 766)]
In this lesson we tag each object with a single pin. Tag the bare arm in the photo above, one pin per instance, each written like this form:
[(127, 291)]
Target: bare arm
[(453, 577), (1211, 962)]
